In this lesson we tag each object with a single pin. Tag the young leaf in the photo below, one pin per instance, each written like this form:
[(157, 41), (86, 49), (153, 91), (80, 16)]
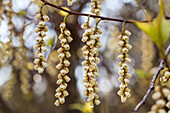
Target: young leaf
[(159, 29)]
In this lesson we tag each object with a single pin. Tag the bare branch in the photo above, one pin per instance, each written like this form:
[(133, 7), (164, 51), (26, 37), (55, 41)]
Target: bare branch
[(85, 14), (161, 67)]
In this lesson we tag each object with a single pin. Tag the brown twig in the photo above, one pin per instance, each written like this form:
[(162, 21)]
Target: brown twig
[(161, 67), (85, 14)]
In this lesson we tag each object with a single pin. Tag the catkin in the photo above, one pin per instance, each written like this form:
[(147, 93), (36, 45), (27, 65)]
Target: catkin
[(90, 51), (40, 46), (64, 54), (124, 91)]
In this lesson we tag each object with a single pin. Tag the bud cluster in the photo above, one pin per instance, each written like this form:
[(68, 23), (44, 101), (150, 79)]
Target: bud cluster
[(90, 51), (124, 91), (40, 46), (63, 56), (162, 97), (165, 79), (96, 7), (69, 2)]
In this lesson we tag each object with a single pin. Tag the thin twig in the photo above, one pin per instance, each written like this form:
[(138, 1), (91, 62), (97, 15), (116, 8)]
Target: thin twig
[(95, 16), (161, 67)]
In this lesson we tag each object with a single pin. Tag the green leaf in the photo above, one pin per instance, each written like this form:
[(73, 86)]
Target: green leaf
[(159, 29)]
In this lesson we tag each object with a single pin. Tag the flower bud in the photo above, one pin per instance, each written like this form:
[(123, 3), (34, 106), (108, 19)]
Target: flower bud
[(69, 39), (40, 70), (46, 18), (41, 23), (38, 16), (57, 103), (67, 32), (37, 29), (62, 25), (128, 33), (125, 37)]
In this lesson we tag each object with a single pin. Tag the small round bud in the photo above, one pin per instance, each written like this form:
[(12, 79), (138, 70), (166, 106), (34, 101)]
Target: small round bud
[(160, 102), (128, 33), (46, 18), (97, 102), (123, 99), (44, 49), (120, 57), (128, 46), (60, 50), (37, 29), (59, 66), (121, 43), (41, 23), (43, 34), (68, 54), (38, 16), (45, 29), (92, 4), (66, 78), (84, 39), (65, 92), (66, 63), (66, 47), (41, 55), (99, 44), (38, 39), (57, 103), (168, 105), (99, 31), (63, 41), (36, 61), (59, 81), (36, 46), (125, 37), (125, 50), (44, 64), (67, 32), (40, 70), (69, 39), (166, 92), (62, 25), (84, 25), (128, 60), (36, 67)]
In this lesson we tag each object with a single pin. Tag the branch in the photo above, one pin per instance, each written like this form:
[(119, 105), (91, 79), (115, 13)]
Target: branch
[(95, 16), (161, 67)]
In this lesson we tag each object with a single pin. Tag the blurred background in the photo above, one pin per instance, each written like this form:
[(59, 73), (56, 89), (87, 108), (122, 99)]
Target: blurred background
[(23, 90)]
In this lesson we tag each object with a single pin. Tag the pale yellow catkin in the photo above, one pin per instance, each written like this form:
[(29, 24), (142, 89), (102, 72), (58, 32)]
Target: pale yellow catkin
[(40, 46), (65, 38), (124, 91), (90, 51)]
